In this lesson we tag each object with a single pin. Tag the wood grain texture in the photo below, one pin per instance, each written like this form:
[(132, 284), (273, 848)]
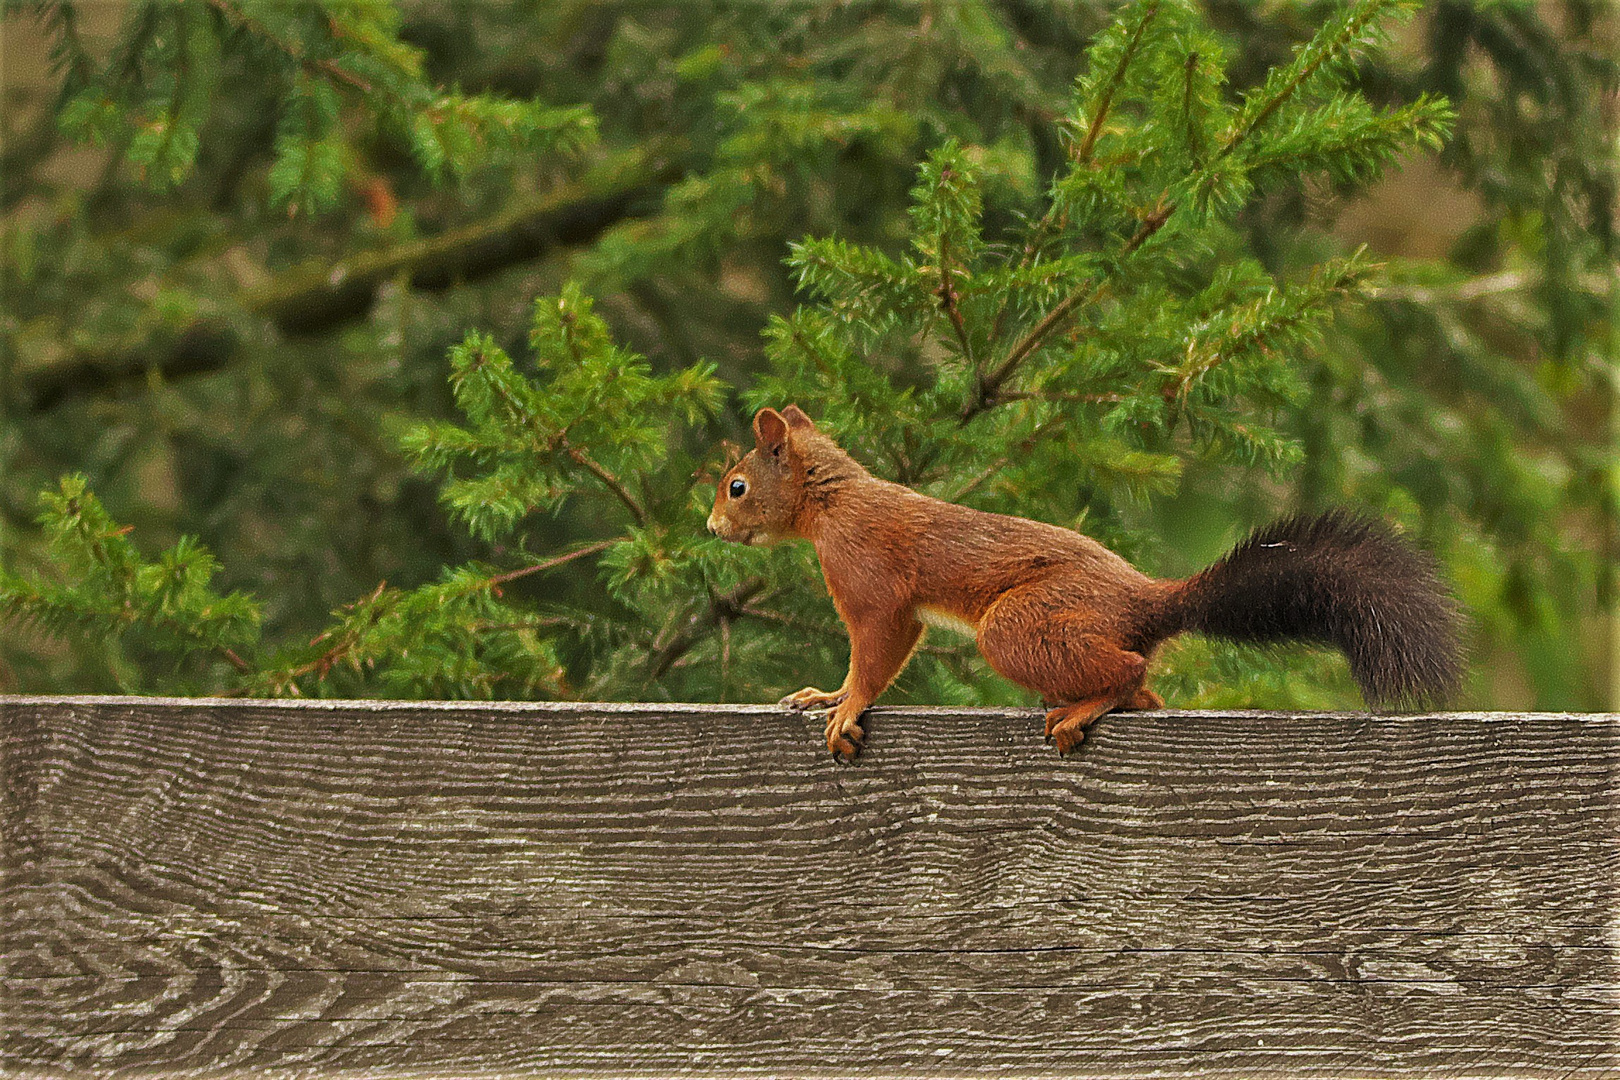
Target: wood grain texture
[(377, 888)]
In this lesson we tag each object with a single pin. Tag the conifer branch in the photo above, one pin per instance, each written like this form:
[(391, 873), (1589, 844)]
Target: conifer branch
[(558, 440), (1032, 246), (837, 633), (665, 651), (947, 299), (1083, 154), (549, 564), (613, 483), (1020, 450), (1323, 52), (258, 29), (989, 386), (366, 614), (348, 637), (1195, 148)]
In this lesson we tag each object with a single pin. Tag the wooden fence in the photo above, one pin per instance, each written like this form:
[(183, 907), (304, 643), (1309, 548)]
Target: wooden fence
[(382, 888)]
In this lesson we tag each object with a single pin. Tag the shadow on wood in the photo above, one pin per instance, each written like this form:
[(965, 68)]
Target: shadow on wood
[(207, 887)]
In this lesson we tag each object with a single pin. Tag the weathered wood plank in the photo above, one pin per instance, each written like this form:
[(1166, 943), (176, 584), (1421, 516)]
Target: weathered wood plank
[(317, 888)]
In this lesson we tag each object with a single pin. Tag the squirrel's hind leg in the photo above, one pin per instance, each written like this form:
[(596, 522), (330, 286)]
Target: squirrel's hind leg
[(1040, 638)]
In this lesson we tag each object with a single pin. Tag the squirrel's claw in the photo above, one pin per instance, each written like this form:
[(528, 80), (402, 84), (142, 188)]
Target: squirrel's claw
[(844, 735), (1068, 741)]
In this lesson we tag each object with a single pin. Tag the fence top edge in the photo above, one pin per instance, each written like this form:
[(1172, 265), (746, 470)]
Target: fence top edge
[(678, 708)]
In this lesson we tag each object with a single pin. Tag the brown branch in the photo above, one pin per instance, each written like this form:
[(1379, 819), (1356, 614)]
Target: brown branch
[(1032, 246), (328, 67), (990, 385), (345, 639), (614, 484), (1024, 447), (792, 622), (947, 299), (552, 441), (1050, 395), (550, 564), (719, 608), (318, 295)]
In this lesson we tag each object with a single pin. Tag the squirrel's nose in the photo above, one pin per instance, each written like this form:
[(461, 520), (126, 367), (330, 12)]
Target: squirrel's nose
[(713, 527)]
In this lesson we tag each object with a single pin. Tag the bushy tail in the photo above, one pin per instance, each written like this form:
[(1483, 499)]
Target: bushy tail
[(1344, 580)]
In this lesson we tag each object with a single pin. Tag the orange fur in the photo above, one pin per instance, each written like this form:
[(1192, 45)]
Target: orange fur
[(1051, 608)]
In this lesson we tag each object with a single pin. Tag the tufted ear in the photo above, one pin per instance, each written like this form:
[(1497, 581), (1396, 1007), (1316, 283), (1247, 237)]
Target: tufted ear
[(770, 431), (796, 418)]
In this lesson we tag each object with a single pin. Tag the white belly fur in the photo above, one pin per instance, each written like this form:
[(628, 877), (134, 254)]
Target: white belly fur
[(946, 621)]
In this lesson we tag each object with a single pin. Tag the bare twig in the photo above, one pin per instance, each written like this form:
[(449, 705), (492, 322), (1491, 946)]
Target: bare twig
[(1508, 281)]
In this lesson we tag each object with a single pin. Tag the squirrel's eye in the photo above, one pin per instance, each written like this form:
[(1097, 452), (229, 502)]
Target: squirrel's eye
[(739, 487)]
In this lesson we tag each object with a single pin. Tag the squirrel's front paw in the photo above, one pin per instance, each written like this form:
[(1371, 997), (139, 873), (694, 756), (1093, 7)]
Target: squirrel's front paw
[(844, 734), (810, 698)]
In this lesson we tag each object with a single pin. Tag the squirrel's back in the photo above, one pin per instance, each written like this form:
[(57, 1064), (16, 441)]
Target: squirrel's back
[(955, 559)]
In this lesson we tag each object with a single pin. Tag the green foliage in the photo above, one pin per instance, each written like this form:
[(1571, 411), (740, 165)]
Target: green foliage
[(126, 605), (451, 639), (1073, 262), (598, 421), (334, 66)]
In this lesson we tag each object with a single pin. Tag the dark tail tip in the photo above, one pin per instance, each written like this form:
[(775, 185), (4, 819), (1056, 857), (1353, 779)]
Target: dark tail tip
[(1347, 580)]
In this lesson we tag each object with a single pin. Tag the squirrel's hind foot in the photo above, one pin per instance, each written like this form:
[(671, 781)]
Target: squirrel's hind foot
[(1066, 726)]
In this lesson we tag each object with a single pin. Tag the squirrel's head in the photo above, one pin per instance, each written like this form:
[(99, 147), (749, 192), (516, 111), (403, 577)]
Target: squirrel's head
[(761, 496)]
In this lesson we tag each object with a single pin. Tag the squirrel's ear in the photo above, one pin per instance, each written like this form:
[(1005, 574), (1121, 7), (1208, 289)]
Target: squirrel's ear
[(796, 418), (770, 430)]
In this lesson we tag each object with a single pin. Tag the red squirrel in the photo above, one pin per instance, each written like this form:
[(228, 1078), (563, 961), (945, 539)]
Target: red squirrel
[(1055, 611)]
